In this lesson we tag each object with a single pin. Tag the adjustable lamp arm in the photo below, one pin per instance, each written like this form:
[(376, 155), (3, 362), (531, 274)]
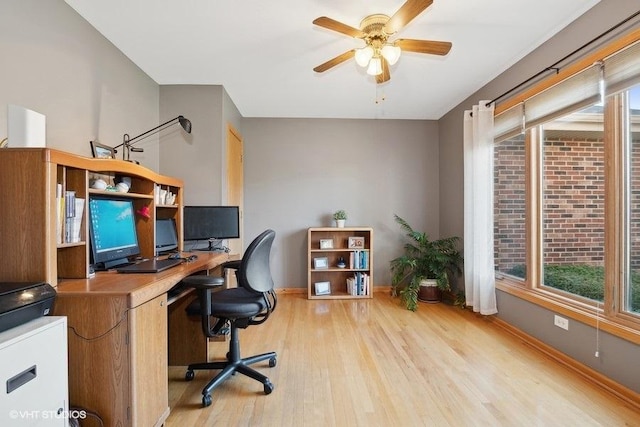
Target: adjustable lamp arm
[(128, 142)]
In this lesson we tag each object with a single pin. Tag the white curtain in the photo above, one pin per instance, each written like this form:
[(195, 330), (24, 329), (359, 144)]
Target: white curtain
[(479, 276)]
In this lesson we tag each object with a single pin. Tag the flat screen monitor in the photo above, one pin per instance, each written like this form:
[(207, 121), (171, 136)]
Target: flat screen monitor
[(112, 229), (166, 235), (211, 222)]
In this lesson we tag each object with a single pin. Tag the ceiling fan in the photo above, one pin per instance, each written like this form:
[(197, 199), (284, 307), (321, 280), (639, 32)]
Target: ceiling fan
[(379, 53)]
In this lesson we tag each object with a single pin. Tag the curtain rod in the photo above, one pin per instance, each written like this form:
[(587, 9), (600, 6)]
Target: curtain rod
[(554, 66)]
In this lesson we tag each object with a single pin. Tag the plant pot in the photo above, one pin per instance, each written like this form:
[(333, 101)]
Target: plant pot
[(340, 223), (429, 291)]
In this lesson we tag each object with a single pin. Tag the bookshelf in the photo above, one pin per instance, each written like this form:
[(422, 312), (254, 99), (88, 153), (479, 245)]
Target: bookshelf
[(326, 246), (32, 248)]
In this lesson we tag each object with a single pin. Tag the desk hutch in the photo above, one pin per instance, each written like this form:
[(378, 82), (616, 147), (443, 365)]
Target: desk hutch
[(120, 326)]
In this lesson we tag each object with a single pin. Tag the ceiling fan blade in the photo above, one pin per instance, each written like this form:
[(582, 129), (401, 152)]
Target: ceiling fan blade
[(335, 61), (424, 46), (384, 75), (405, 14), (332, 24)]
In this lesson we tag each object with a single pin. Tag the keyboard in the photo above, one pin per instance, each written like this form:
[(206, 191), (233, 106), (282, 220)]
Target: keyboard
[(150, 266)]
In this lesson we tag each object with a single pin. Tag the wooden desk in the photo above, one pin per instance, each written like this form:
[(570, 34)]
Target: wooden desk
[(118, 340)]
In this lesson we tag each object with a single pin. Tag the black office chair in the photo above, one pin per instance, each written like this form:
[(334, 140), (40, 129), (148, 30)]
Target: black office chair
[(250, 303)]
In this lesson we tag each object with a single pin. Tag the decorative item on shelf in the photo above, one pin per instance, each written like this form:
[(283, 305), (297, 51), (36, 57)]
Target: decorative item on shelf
[(128, 142), (323, 288), (25, 127), (144, 212), (101, 151), (356, 242), (123, 179), (341, 263), (320, 263), (121, 187), (340, 217), (326, 243), (98, 184), (424, 259)]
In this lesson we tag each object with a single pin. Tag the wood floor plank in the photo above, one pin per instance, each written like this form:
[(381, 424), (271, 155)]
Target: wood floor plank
[(373, 363)]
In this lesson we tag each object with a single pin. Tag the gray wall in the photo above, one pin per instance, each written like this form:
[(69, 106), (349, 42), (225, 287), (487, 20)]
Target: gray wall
[(306, 169), (617, 357), (55, 63), (299, 171), (198, 159)]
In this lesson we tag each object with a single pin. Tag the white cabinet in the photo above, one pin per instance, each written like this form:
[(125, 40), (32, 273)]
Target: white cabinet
[(33, 374)]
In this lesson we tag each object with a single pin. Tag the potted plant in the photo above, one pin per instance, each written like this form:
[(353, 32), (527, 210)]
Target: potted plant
[(340, 217), (423, 271)]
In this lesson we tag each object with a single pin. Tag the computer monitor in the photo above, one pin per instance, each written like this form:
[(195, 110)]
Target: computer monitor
[(112, 229), (166, 235), (211, 222)]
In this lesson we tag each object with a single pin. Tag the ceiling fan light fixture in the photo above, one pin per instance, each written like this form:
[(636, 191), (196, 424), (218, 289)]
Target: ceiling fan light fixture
[(375, 66), (391, 53), (363, 56)]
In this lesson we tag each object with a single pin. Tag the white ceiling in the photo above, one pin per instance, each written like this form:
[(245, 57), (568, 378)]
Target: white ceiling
[(264, 52)]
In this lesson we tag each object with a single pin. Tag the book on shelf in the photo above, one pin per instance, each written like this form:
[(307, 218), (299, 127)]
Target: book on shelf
[(59, 214), (359, 260), (75, 222), (358, 285), (69, 210)]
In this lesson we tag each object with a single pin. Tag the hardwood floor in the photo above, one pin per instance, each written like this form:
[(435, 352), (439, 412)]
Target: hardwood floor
[(373, 363)]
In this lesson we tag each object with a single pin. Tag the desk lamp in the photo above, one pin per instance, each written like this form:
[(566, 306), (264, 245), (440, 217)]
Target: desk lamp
[(129, 142)]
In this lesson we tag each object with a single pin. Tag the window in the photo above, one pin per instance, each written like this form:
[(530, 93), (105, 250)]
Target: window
[(632, 145), (509, 211), (573, 203), (567, 192)]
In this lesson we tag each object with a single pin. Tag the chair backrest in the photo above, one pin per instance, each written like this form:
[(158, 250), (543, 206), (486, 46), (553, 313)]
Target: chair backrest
[(255, 272)]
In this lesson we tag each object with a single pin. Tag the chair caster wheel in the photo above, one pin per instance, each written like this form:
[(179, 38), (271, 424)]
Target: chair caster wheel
[(268, 387), (206, 400), (189, 375), (272, 362)]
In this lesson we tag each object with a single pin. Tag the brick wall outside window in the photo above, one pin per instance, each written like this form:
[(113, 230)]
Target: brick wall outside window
[(573, 203), (509, 204)]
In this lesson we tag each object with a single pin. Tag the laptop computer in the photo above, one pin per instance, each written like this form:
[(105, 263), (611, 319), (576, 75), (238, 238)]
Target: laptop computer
[(150, 266)]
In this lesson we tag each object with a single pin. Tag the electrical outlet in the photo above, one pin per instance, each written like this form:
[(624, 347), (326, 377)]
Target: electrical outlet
[(561, 322)]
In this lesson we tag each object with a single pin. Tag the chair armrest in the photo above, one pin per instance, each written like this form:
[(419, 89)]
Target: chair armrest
[(203, 282), (235, 264)]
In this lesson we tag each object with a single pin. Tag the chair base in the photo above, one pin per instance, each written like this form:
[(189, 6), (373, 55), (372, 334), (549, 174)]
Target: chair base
[(233, 364)]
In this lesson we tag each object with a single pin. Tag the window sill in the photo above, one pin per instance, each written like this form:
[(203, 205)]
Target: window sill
[(620, 326)]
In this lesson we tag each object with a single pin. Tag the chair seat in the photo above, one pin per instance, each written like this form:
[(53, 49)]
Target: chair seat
[(232, 304)]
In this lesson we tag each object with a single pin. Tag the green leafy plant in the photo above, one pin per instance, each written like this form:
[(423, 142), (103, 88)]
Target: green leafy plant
[(423, 259), (580, 279), (339, 215)]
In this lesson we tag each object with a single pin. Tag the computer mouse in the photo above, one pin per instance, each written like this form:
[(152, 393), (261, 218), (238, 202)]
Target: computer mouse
[(175, 256), (192, 257)]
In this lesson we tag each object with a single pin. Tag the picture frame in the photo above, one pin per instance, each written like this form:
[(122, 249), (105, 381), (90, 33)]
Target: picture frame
[(326, 243), (101, 151), (356, 242), (320, 263), (323, 288)]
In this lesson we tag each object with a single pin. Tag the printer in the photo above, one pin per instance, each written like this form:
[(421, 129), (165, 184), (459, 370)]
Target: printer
[(21, 302)]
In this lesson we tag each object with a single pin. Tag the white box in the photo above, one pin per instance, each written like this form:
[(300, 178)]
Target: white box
[(26, 128)]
